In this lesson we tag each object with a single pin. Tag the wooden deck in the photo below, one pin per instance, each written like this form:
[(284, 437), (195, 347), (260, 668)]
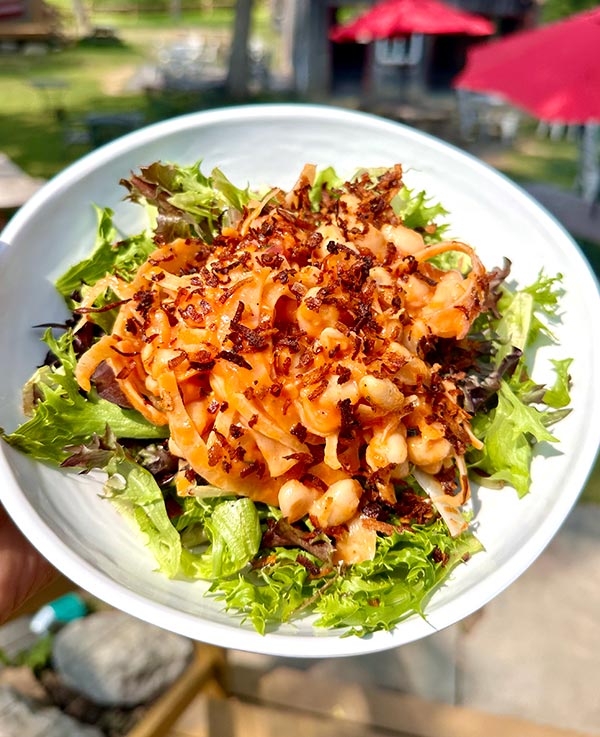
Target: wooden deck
[(287, 701)]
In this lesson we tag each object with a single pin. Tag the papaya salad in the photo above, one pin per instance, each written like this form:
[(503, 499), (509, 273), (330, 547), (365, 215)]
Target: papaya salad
[(291, 393)]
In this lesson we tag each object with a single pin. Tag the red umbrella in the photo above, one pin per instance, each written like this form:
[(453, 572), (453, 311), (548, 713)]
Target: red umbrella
[(393, 18), (11, 9), (552, 71)]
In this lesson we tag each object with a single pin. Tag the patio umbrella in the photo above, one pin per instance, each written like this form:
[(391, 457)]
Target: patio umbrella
[(552, 71), (398, 18)]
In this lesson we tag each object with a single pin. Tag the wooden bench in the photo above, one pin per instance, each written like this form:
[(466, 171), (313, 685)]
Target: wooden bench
[(28, 31)]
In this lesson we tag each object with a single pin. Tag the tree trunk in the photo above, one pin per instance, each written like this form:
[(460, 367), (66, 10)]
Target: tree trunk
[(588, 176), (175, 9), (82, 18), (287, 19), (239, 60)]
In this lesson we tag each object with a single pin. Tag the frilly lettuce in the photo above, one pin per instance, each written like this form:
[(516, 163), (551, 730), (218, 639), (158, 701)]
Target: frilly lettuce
[(511, 429), (363, 598), (63, 416), (135, 492), (123, 257), (188, 203)]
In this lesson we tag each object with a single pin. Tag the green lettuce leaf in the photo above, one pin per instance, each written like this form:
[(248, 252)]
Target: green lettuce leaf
[(511, 429), (509, 432), (398, 582), (558, 395), (527, 312), (63, 416), (366, 597), (235, 531), (325, 179), (136, 493), (232, 527), (123, 257), (271, 594), (546, 291), (188, 203), (234, 196), (99, 262), (418, 211), (513, 329)]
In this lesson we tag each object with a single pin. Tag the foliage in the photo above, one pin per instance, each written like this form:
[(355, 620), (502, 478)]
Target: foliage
[(36, 657), (555, 9), (533, 159), (152, 6)]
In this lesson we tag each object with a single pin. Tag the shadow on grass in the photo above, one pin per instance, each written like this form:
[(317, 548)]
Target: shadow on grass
[(42, 145), (63, 61), (170, 103)]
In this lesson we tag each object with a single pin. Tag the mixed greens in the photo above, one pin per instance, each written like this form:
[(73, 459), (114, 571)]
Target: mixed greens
[(260, 566)]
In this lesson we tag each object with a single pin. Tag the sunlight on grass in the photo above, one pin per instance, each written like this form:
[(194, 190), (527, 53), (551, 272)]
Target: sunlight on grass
[(34, 121), (218, 18), (539, 160)]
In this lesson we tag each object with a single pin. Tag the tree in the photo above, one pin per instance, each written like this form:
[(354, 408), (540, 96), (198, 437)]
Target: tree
[(82, 17), (175, 9), (239, 60)]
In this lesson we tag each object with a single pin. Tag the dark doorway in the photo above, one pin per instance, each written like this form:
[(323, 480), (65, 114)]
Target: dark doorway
[(448, 57), (347, 68)]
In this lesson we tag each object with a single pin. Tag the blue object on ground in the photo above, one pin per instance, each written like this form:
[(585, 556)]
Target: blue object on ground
[(60, 611)]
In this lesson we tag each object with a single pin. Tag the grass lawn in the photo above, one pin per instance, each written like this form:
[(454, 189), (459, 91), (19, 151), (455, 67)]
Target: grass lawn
[(95, 81), (30, 130), (220, 18), (533, 159)]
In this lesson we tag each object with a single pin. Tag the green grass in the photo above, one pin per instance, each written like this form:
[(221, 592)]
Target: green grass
[(218, 18), (215, 18), (94, 75), (30, 131), (533, 159)]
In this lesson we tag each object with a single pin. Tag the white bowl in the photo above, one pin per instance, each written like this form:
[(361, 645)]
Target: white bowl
[(84, 536)]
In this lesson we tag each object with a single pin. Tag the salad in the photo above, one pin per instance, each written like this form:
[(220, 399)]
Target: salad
[(290, 393)]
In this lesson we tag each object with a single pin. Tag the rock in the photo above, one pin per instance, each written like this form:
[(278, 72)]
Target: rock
[(23, 717), (116, 660)]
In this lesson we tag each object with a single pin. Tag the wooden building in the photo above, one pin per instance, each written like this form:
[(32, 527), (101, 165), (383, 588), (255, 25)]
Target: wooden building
[(28, 20), (322, 68)]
